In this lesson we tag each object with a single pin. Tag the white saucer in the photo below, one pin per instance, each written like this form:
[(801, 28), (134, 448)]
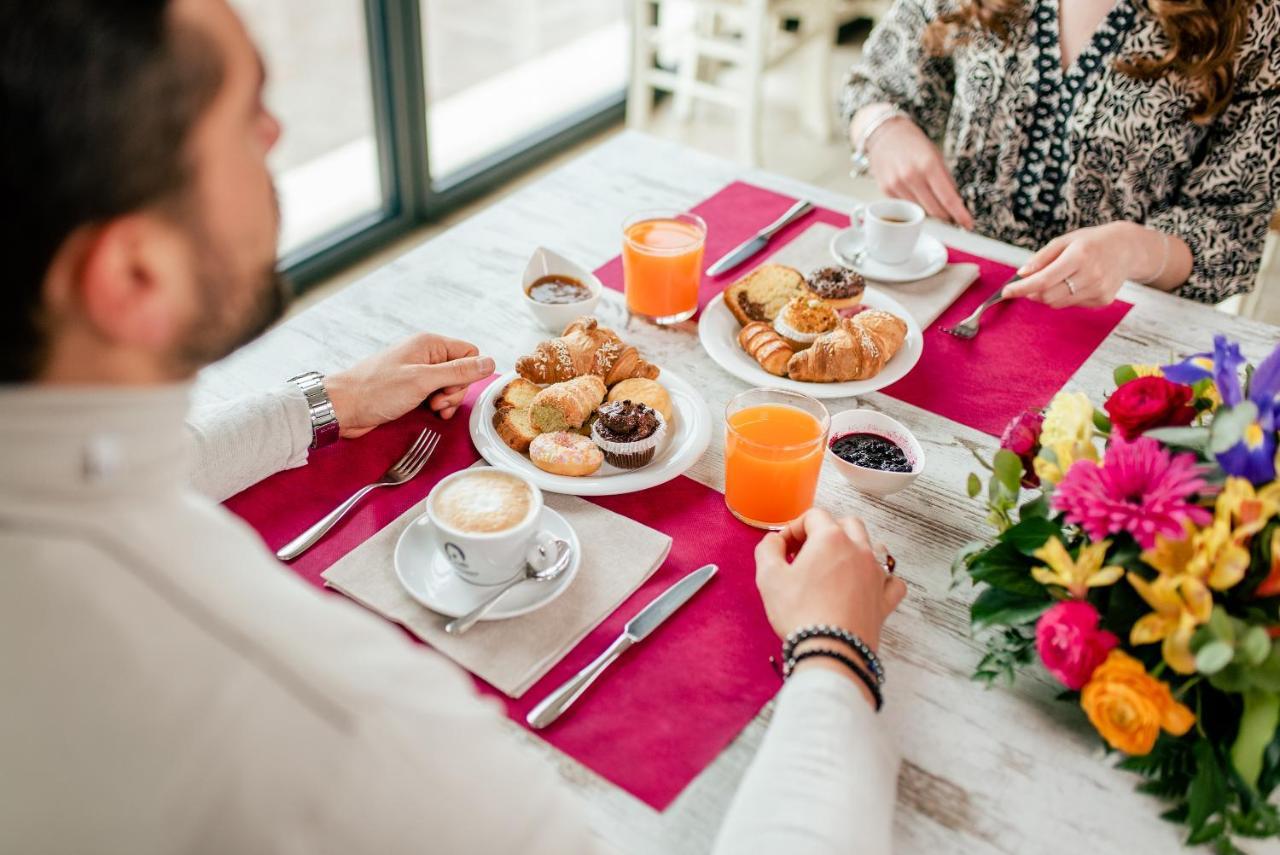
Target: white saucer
[(425, 573), (929, 257)]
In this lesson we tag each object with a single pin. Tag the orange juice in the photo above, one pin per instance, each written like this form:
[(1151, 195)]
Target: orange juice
[(774, 446), (662, 265)]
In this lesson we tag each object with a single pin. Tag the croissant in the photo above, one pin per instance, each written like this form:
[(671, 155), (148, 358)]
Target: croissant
[(585, 348), (858, 349), (567, 405), (766, 347)]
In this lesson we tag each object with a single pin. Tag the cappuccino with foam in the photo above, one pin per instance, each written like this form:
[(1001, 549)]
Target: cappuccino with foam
[(483, 502)]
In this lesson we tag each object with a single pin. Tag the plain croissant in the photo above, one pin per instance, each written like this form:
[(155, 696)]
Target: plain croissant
[(585, 348), (858, 349)]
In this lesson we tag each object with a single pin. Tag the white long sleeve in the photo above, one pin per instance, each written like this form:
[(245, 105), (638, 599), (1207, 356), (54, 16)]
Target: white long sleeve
[(824, 780), (238, 443)]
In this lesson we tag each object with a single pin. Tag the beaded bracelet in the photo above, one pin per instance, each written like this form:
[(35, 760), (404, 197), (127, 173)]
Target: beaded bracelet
[(872, 686), (826, 631)]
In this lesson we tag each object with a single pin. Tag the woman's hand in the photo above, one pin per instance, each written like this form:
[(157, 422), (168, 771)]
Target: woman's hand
[(833, 579), (907, 165), (387, 385), (1087, 267)]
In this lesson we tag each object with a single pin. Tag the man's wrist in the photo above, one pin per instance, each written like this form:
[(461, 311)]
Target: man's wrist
[(324, 422)]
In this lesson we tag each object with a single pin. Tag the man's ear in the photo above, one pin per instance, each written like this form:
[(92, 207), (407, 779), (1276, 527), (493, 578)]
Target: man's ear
[(132, 283)]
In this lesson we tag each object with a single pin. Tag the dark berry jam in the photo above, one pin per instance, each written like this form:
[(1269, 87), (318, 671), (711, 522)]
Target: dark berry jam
[(872, 451)]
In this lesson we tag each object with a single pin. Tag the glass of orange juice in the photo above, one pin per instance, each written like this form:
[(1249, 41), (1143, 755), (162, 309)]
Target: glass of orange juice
[(662, 264), (773, 450)]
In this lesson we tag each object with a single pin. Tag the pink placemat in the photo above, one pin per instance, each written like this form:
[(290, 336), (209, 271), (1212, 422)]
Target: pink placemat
[(982, 383), (663, 712)]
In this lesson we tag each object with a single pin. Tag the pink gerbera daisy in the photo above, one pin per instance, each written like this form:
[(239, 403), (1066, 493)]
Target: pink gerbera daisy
[(1140, 488)]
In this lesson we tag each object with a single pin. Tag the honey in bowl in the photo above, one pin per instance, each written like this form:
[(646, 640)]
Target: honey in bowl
[(557, 290)]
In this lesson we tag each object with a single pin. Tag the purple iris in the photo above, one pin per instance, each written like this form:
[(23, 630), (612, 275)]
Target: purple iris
[(1254, 456)]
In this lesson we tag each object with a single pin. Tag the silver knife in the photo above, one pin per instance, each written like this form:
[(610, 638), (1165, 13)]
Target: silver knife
[(636, 630), (742, 252)]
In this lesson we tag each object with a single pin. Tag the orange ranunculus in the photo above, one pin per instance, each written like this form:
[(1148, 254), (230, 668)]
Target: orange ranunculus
[(1128, 706)]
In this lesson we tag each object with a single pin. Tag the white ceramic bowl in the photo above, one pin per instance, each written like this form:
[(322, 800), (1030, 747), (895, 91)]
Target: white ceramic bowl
[(555, 317), (874, 481)]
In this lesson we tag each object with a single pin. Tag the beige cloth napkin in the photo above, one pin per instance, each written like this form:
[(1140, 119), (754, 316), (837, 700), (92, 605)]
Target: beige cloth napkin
[(618, 555), (925, 299)]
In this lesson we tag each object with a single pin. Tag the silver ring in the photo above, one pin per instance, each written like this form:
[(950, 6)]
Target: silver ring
[(1070, 287)]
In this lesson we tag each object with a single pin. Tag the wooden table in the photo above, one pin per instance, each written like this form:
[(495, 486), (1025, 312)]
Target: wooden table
[(983, 771)]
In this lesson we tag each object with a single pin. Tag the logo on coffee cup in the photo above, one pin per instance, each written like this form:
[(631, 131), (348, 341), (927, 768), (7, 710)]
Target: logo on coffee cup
[(456, 556)]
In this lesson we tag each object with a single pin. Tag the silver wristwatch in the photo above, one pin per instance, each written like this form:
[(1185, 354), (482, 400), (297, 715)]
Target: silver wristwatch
[(324, 422)]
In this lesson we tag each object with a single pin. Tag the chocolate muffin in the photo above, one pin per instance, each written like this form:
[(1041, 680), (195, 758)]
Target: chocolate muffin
[(628, 433), (841, 288)]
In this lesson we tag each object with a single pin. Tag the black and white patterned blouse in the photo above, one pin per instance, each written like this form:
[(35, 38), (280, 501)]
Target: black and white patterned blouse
[(1038, 151)]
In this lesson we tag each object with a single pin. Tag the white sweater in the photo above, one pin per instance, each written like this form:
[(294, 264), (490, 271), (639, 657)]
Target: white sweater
[(168, 687)]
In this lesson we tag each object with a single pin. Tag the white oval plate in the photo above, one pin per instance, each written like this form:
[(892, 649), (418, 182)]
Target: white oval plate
[(687, 438), (930, 256), (718, 331), (427, 576)]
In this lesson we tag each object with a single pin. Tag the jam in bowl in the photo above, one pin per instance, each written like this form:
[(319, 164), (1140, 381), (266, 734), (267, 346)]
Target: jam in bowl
[(875, 453)]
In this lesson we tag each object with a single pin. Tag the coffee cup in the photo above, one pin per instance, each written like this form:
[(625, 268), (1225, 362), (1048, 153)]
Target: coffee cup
[(890, 228), (489, 523)]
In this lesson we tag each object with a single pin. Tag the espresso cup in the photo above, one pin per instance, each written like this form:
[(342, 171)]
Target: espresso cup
[(488, 522), (890, 228)]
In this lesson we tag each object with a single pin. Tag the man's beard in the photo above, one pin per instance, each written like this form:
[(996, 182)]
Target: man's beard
[(222, 327)]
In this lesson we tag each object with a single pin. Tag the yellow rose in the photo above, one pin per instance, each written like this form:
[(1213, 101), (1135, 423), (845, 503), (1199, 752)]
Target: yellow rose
[(1128, 706), (1068, 433)]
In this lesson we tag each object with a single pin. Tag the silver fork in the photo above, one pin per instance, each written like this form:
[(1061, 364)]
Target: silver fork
[(968, 328), (402, 470)]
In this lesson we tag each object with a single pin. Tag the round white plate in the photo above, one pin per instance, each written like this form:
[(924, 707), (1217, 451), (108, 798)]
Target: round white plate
[(688, 436), (929, 257), (718, 330), (425, 573)]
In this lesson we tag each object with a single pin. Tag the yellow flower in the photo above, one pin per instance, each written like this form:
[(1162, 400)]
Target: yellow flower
[(1180, 603), (1068, 433), (1076, 575), (1128, 706), (1246, 509), (1147, 370)]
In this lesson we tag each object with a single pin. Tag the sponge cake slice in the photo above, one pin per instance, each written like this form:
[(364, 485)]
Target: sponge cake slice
[(761, 294)]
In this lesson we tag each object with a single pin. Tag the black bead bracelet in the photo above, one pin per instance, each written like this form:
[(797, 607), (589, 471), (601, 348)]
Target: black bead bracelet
[(826, 631), (872, 686)]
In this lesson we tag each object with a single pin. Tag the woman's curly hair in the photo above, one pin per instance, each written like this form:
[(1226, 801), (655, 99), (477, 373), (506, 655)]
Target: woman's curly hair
[(1204, 37)]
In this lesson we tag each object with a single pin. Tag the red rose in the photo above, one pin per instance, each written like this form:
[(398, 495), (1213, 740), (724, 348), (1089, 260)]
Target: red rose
[(1149, 402), (1022, 437)]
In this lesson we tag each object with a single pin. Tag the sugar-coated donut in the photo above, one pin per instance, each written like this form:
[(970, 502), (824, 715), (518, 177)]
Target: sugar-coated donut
[(565, 453)]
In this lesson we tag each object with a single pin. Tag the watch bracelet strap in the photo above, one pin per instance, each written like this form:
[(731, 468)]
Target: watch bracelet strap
[(324, 421)]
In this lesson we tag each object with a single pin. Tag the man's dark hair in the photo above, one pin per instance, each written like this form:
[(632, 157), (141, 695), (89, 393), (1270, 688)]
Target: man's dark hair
[(97, 100)]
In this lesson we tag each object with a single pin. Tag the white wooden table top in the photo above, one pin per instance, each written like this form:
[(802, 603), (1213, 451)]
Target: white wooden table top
[(1009, 771)]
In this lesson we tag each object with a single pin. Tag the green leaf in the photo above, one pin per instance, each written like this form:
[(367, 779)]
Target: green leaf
[(1003, 566), (1214, 656), (1255, 645), (1257, 728), (1208, 792), (1101, 422), (1233, 679), (1211, 831), (1195, 438), (1037, 507), (1123, 374), (1229, 425), (974, 486), (1220, 625), (1267, 675), (1030, 534), (998, 607), (1008, 469)]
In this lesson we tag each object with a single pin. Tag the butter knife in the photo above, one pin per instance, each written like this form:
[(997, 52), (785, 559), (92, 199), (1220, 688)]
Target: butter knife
[(743, 251), (636, 630)]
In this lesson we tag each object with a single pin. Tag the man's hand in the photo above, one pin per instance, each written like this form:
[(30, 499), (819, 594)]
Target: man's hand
[(387, 385)]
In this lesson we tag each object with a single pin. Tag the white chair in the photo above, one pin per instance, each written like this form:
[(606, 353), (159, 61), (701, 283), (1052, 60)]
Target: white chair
[(746, 35)]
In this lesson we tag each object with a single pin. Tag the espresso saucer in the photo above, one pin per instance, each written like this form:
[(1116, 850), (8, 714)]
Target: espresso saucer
[(428, 577), (930, 256)]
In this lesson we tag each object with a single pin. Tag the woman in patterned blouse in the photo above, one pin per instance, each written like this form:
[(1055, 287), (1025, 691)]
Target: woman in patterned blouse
[(1123, 139)]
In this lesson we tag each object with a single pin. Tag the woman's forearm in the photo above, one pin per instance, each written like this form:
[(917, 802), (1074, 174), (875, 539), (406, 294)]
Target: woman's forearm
[(1159, 259)]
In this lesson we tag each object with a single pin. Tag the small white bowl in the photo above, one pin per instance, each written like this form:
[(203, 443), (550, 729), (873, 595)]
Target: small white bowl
[(556, 316), (875, 481)]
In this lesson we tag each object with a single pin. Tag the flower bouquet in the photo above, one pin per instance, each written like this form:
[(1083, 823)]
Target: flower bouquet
[(1137, 557)]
